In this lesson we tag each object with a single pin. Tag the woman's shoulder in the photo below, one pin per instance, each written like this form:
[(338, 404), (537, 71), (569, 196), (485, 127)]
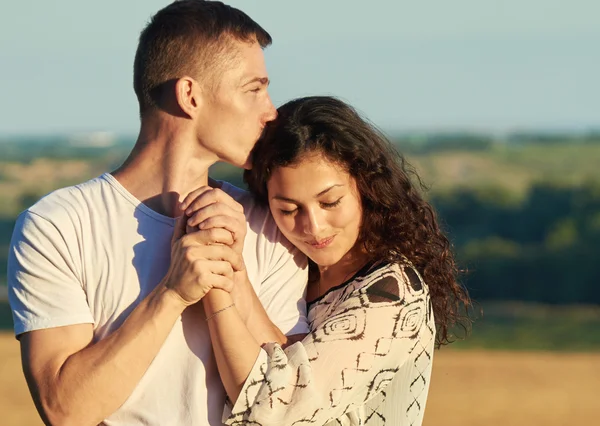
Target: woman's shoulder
[(378, 282), (391, 282)]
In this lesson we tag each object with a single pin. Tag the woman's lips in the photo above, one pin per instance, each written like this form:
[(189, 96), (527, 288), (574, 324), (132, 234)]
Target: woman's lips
[(319, 244)]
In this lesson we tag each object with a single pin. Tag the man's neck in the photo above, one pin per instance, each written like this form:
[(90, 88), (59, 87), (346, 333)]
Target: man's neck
[(163, 167)]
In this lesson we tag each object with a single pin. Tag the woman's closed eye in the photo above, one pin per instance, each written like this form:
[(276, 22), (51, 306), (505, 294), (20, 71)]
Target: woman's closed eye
[(288, 212), (333, 204), (322, 204)]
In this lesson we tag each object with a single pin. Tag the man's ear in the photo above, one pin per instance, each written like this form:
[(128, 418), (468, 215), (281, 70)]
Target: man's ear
[(189, 96)]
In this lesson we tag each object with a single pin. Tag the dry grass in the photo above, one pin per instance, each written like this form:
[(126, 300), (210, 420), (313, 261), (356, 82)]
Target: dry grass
[(469, 388), (513, 388), (15, 403), (38, 178), (445, 171)]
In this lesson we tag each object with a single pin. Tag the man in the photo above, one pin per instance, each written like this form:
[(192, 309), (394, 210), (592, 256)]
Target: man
[(103, 283)]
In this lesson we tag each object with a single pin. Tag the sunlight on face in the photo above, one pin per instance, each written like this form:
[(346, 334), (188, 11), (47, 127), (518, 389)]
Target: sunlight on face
[(317, 207), (238, 109)]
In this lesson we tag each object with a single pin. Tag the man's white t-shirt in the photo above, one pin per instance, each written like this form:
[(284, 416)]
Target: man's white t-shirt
[(91, 252)]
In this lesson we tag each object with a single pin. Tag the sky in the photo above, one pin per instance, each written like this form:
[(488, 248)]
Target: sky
[(428, 65)]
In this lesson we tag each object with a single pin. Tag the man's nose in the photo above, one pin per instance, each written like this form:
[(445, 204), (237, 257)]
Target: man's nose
[(271, 112)]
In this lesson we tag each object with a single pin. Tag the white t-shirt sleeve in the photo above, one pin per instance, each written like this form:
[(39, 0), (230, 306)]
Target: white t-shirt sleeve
[(44, 286), (283, 289)]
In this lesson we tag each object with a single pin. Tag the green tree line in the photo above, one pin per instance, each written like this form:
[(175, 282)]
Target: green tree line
[(543, 249)]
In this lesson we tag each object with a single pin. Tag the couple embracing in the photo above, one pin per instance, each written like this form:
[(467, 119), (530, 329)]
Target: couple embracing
[(154, 295)]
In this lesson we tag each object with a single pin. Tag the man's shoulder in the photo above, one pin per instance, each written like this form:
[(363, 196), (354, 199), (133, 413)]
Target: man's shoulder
[(66, 201), (256, 214)]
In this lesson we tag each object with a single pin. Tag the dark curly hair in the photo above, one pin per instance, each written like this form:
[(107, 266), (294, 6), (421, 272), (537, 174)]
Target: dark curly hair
[(397, 222)]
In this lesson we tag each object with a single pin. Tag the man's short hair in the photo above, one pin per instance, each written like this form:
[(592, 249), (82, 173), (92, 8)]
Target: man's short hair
[(189, 37)]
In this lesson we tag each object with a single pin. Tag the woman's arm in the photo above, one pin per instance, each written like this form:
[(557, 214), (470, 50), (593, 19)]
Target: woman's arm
[(221, 219), (235, 347), (372, 332)]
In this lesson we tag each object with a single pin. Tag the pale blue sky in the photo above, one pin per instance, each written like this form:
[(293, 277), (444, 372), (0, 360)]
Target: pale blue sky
[(495, 65)]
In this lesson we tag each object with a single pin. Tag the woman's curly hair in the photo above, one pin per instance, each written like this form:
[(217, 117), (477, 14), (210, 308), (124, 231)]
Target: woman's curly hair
[(397, 222)]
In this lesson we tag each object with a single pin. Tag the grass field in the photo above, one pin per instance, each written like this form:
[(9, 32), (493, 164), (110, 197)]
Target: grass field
[(512, 168), (509, 167), (550, 376), (469, 388)]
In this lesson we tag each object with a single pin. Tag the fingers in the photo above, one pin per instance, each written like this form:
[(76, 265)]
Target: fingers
[(223, 283), (214, 274), (215, 209), (193, 196), (233, 225), (206, 196), (220, 267), (235, 228), (212, 236), (226, 254), (220, 215), (199, 250)]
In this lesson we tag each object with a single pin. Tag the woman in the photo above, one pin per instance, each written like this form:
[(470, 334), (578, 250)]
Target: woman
[(382, 279)]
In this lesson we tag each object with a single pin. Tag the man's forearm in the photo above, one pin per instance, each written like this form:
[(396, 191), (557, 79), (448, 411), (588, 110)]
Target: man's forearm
[(94, 382)]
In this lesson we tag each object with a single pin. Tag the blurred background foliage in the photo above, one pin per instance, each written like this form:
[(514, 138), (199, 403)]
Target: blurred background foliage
[(522, 211)]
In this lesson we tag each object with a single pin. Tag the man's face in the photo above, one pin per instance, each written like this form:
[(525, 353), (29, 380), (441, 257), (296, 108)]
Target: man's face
[(238, 108)]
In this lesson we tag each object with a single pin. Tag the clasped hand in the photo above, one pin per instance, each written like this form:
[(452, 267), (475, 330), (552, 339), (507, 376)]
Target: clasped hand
[(207, 244)]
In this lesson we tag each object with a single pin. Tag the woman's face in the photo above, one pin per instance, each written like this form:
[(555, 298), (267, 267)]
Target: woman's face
[(316, 205)]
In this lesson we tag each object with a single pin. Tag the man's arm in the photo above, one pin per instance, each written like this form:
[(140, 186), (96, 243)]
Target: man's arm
[(75, 381)]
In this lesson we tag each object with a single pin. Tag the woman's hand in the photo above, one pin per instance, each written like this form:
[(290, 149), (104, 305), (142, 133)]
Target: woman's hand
[(213, 211), (215, 218)]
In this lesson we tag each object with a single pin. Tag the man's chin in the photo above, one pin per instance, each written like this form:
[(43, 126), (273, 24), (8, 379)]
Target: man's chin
[(238, 162), (248, 164)]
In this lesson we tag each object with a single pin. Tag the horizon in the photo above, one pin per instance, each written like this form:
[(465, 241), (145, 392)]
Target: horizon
[(108, 138)]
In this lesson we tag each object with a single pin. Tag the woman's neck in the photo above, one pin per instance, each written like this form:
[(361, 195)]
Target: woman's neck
[(334, 275)]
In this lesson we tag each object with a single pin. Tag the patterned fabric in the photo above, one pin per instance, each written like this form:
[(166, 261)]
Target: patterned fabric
[(366, 361)]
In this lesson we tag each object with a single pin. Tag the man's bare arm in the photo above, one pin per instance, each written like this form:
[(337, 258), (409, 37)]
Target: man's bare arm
[(76, 382)]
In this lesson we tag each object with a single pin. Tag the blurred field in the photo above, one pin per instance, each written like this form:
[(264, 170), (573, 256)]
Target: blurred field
[(524, 363), (513, 388), (469, 388), (15, 403), (512, 168)]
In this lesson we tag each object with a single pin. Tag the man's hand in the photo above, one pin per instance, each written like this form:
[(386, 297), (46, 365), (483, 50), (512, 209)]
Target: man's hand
[(213, 212), (215, 218), (196, 267)]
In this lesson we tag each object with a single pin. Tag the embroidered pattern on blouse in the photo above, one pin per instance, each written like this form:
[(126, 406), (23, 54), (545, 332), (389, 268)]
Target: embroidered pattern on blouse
[(361, 336)]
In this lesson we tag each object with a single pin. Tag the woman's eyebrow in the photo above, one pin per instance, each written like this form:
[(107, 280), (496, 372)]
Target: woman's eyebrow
[(291, 200), (328, 189)]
